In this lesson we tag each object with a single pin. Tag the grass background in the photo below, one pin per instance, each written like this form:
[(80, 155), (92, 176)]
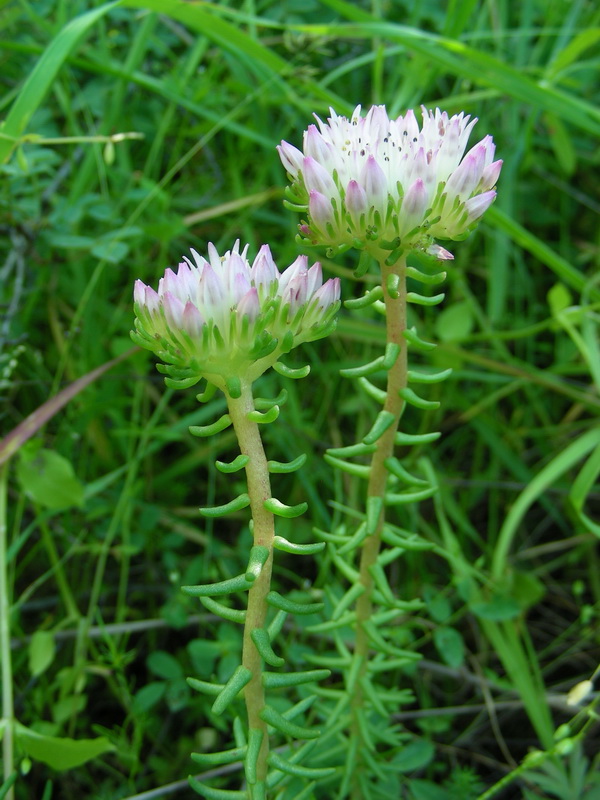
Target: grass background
[(208, 90)]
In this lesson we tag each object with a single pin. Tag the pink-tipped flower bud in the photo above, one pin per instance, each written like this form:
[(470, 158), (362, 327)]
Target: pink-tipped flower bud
[(212, 316)]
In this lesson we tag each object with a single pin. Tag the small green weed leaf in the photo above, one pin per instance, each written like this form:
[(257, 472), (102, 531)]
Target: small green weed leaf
[(148, 696), (438, 606), (454, 323), (526, 589), (426, 790), (41, 652), (450, 645), (415, 755), (498, 609), (177, 694), (203, 655), (66, 708), (113, 251), (559, 298), (164, 665), (49, 479), (60, 753)]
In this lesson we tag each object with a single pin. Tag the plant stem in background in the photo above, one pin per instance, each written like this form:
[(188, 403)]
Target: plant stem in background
[(5, 654), (259, 490)]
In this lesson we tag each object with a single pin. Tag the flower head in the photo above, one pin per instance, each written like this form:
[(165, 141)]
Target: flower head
[(221, 318), (384, 183)]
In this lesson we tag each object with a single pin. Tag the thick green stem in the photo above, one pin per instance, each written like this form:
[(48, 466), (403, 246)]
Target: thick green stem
[(259, 490), (396, 380), (5, 654)]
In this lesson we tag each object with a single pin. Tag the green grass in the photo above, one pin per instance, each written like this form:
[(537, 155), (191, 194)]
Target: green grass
[(204, 93)]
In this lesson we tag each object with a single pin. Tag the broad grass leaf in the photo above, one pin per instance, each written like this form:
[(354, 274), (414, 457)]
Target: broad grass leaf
[(60, 753), (49, 479), (41, 652)]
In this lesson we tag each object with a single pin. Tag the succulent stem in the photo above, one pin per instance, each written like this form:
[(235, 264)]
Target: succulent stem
[(242, 414), (395, 305)]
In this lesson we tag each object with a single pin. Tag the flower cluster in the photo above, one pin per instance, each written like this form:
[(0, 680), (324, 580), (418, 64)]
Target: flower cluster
[(381, 183), (223, 319)]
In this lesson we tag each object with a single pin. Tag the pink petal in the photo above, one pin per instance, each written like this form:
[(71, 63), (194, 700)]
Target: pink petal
[(374, 183), (249, 305), (264, 271), (490, 176), (173, 311), (291, 158), (139, 293), (356, 200), (151, 300), (320, 209), (192, 320), (299, 266), (316, 177), (314, 279), (479, 204)]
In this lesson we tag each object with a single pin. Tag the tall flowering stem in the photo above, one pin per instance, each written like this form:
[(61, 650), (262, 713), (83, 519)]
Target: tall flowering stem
[(259, 491), (389, 188), (226, 321), (395, 308)]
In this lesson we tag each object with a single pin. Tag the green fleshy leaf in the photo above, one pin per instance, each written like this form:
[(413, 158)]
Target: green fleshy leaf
[(278, 680), (257, 559), (277, 762), (239, 583), (239, 462), (276, 720), (279, 467), (289, 372), (276, 600), (209, 430), (278, 508), (240, 502), (262, 642), (240, 678), (300, 549), (366, 300), (383, 421), (413, 399), (216, 794), (222, 757), (255, 738), (263, 417), (230, 614)]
